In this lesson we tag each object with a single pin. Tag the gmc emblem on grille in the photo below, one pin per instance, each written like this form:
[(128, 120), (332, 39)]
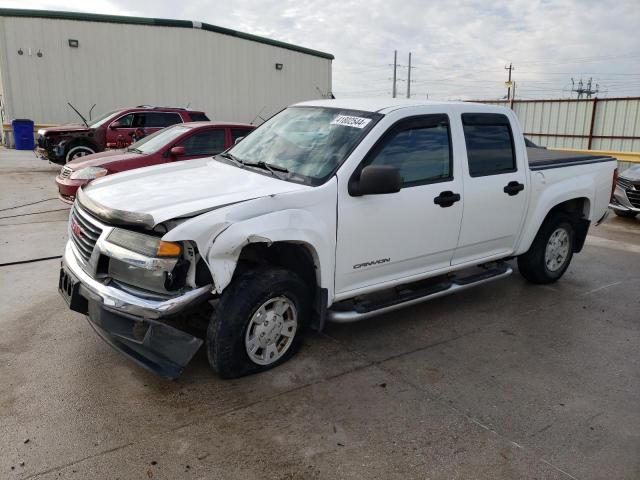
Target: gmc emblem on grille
[(76, 229)]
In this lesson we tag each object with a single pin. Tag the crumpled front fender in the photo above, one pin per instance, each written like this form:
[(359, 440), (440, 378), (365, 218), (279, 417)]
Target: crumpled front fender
[(307, 217), (293, 226)]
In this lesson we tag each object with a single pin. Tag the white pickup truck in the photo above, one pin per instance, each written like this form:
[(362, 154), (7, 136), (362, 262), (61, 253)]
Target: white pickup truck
[(333, 210)]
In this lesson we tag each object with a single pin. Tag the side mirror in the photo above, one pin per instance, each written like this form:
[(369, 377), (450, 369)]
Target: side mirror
[(177, 151), (115, 125), (237, 140), (376, 180)]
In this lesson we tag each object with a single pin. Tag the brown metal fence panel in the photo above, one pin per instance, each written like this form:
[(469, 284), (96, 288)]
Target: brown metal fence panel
[(593, 123)]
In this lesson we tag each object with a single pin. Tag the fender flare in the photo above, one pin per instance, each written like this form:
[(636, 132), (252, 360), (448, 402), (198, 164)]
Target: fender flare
[(551, 198)]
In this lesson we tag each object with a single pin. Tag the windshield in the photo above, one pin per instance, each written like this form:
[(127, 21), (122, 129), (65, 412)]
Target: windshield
[(309, 142), (154, 142), (100, 120)]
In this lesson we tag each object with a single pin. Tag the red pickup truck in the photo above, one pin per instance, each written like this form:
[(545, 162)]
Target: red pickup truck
[(179, 142), (115, 129)]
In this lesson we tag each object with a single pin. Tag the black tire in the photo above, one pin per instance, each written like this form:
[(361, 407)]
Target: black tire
[(533, 265), (625, 214), (238, 303), (77, 151)]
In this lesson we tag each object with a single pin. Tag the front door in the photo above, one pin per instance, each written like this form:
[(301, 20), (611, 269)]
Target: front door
[(494, 189), (388, 237)]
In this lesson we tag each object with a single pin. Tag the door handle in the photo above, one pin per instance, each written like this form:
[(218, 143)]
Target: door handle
[(513, 188), (446, 199)]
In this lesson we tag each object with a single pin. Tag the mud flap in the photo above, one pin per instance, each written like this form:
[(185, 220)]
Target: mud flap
[(154, 345)]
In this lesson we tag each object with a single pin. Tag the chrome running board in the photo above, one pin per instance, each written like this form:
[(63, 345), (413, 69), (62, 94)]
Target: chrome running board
[(412, 297)]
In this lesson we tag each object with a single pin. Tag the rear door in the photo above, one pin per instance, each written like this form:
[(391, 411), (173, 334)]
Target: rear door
[(153, 121), (494, 188)]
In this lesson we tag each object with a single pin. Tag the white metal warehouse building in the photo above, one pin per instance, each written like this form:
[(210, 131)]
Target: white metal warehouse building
[(50, 58)]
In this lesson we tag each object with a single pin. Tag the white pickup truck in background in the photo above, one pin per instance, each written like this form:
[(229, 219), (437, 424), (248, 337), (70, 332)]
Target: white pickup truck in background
[(331, 210)]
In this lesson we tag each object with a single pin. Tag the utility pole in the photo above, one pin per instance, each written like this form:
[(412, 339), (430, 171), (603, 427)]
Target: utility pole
[(409, 77), (513, 97), (395, 68), (582, 90), (508, 82)]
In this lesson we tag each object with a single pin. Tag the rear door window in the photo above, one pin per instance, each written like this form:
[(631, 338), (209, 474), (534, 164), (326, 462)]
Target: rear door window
[(490, 147), (198, 117), (156, 119)]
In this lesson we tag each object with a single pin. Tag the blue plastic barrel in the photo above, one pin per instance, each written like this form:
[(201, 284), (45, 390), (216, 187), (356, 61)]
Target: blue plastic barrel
[(23, 134)]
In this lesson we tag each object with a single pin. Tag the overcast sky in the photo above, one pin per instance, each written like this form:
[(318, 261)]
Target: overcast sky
[(460, 48)]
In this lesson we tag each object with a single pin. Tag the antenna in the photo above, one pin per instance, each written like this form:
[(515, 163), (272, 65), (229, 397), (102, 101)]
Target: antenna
[(258, 116)]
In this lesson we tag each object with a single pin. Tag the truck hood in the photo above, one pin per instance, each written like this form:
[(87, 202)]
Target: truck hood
[(99, 159), (632, 173), (152, 195)]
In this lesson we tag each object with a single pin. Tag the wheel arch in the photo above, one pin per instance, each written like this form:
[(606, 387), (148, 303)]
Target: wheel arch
[(291, 238), (578, 210), (80, 142)]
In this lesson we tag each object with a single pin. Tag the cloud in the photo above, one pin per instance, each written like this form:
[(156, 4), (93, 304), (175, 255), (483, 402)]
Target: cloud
[(460, 47)]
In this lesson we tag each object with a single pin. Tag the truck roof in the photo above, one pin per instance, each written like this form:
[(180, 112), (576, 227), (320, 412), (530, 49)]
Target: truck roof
[(384, 105)]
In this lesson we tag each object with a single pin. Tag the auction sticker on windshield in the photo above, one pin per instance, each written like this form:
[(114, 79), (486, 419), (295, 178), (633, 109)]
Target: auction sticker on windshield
[(350, 121)]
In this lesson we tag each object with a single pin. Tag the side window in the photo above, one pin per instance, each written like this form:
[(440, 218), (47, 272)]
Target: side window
[(420, 148), (489, 142), (238, 133), (198, 117), (126, 121), (156, 119), (207, 142)]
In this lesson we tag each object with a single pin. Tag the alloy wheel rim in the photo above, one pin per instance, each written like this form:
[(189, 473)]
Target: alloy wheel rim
[(557, 250), (271, 331)]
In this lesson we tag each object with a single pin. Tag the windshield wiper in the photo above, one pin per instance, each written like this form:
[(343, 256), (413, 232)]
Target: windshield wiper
[(136, 150), (267, 166), (231, 157), (270, 167)]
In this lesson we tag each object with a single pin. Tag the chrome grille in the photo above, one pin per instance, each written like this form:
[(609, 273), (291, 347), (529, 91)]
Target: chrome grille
[(634, 197), (66, 172), (83, 233), (624, 183)]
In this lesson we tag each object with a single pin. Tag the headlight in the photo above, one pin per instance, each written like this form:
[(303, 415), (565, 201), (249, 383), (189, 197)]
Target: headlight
[(89, 173), (144, 244)]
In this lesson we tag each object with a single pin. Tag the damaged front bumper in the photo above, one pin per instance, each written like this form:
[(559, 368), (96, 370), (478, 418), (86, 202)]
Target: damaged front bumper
[(134, 325)]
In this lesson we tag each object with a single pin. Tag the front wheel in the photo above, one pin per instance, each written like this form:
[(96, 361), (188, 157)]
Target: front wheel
[(77, 152), (551, 251), (258, 322)]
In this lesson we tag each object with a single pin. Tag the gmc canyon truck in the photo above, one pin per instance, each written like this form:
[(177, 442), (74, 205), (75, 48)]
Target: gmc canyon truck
[(333, 210)]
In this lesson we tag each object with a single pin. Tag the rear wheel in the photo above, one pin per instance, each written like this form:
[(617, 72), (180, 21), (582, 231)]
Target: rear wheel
[(551, 251), (78, 151), (258, 323), (625, 213)]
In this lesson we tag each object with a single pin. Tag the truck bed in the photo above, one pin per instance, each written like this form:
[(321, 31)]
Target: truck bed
[(543, 159)]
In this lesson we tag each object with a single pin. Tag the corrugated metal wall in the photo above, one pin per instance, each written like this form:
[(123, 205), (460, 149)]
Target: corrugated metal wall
[(568, 123), (120, 65)]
